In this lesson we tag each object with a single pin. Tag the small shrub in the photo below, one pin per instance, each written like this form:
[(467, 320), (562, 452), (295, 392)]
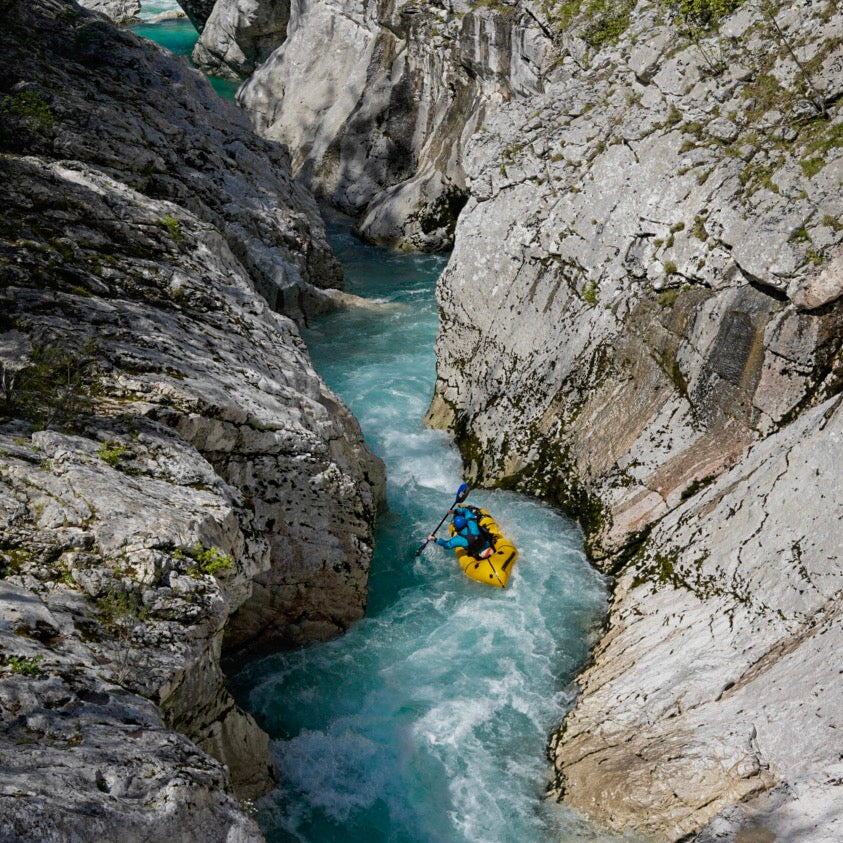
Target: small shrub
[(57, 386), (211, 560), (670, 267), (589, 293), (668, 297), (23, 665), (172, 226), (674, 116), (701, 14), (112, 452), (811, 166)]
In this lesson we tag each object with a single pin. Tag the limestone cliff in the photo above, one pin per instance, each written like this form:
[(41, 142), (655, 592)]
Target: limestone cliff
[(175, 477), (634, 292), (715, 696), (645, 295)]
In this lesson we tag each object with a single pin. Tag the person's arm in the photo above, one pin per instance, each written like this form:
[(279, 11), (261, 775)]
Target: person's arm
[(451, 543)]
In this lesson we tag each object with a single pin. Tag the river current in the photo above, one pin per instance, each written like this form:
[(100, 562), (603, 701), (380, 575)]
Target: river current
[(427, 722)]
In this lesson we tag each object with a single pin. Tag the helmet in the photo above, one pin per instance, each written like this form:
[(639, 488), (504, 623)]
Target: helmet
[(459, 522)]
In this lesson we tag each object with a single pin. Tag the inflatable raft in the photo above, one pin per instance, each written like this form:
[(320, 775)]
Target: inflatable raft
[(496, 569)]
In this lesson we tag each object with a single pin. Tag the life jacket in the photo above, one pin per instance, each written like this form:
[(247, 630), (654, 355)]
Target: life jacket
[(480, 541)]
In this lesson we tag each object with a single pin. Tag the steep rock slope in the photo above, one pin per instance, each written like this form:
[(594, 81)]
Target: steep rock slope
[(638, 288), (175, 476), (646, 295), (718, 680), (238, 36), (379, 129)]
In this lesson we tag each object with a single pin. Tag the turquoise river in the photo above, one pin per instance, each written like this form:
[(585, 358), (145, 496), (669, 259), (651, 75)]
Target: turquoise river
[(428, 720)]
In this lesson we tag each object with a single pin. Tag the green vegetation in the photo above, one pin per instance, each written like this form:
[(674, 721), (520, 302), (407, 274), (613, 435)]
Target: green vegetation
[(822, 137), (117, 609), (443, 211), (172, 225), (670, 267), (700, 15), (668, 297), (674, 116), (493, 5), (696, 485), (697, 19), (211, 560), (31, 107), (604, 20), (54, 390), (589, 293), (112, 452), (23, 665)]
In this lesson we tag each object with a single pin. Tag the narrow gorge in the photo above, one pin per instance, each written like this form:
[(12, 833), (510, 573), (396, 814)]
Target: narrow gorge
[(639, 323)]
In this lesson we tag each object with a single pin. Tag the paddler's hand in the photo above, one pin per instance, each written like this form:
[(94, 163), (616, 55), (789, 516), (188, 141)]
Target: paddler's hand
[(431, 538)]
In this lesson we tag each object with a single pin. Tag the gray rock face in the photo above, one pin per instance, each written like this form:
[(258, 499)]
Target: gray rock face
[(239, 36), (177, 153), (198, 11), (165, 441), (120, 11), (379, 129), (86, 759)]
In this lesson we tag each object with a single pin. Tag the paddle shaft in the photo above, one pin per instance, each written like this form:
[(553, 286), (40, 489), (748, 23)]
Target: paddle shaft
[(462, 494)]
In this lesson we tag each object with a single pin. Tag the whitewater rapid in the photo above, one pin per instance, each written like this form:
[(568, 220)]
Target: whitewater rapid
[(428, 720)]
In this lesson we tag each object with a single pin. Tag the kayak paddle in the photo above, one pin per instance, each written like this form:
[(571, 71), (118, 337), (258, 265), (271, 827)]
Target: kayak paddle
[(462, 494)]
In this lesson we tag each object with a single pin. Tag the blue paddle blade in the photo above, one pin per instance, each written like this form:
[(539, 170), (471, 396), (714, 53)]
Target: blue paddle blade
[(462, 492)]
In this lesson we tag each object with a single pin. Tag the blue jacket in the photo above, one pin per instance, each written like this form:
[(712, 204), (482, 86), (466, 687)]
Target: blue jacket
[(460, 539)]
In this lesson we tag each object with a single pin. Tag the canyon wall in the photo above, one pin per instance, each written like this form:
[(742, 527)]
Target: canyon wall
[(378, 129), (177, 481)]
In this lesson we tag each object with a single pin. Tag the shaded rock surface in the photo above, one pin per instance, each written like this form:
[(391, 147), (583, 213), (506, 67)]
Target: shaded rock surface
[(176, 478), (237, 37), (378, 131), (178, 142)]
